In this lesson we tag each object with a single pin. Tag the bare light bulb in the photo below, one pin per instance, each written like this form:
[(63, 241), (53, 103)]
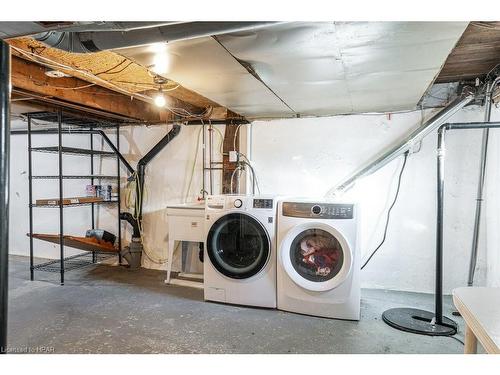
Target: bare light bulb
[(160, 100)]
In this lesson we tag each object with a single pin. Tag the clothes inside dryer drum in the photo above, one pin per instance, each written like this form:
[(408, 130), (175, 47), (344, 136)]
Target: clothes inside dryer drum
[(238, 246), (316, 255)]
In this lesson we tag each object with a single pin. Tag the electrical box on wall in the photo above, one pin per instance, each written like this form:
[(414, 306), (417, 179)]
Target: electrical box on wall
[(233, 156)]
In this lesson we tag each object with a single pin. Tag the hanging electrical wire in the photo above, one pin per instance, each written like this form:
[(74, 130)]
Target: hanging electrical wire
[(236, 136), (38, 83), (389, 212), (238, 168), (110, 70)]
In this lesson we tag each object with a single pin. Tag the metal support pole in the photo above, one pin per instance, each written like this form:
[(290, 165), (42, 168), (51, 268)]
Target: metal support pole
[(4, 189), (92, 174), (61, 205), (30, 200), (480, 184), (210, 157), (421, 321), (438, 297), (118, 190), (92, 206), (204, 161)]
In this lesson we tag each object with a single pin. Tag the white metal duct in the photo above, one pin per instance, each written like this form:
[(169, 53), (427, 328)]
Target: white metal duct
[(311, 68)]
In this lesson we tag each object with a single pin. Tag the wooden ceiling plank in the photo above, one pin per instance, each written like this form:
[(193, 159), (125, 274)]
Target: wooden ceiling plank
[(476, 53)]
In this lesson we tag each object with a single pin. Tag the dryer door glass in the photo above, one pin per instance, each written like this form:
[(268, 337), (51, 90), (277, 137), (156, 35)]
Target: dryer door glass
[(316, 255), (238, 246)]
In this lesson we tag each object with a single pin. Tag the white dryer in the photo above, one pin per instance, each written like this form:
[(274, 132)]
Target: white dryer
[(318, 260), (240, 250)]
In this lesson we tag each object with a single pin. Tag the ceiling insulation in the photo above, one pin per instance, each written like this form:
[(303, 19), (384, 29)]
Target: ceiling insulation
[(111, 67), (311, 68)]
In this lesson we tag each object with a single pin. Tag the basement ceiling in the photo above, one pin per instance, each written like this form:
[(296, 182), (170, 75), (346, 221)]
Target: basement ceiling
[(475, 55), (310, 68)]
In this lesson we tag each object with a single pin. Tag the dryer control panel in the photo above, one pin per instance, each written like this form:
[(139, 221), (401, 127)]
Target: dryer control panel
[(318, 210)]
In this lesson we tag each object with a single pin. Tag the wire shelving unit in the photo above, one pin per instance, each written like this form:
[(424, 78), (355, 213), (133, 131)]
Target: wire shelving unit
[(66, 123)]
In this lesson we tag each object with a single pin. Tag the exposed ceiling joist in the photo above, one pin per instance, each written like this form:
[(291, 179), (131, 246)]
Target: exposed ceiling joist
[(110, 70), (476, 53), (31, 78)]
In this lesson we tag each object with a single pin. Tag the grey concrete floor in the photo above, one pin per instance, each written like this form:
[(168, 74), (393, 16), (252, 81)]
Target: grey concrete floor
[(109, 309)]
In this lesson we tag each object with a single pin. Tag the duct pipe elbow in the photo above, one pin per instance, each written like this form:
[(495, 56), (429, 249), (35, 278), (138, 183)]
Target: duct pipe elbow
[(176, 129), (67, 41)]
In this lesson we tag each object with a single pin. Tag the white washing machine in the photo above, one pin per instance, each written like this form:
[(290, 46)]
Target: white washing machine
[(240, 250), (318, 261)]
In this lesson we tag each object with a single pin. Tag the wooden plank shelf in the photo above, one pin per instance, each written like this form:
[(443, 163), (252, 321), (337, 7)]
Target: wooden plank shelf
[(73, 151), (73, 204), (74, 177), (81, 243)]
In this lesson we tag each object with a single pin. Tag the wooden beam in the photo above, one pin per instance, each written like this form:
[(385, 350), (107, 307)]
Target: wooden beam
[(228, 167), (29, 76), (35, 102), (96, 63)]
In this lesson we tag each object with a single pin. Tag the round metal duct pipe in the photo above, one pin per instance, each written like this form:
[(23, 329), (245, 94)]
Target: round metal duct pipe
[(94, 41)]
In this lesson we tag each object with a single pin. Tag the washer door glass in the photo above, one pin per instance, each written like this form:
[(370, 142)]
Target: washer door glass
[(316, 256), (238, 246)]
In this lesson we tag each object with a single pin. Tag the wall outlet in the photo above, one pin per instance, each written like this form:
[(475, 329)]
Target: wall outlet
[(233, 156)]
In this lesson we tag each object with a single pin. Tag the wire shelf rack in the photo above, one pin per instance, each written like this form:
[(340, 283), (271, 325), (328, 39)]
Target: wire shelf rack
[(74, 262), (70, 119), (82, 125), (73, 204), (95, 176), (73, 151)]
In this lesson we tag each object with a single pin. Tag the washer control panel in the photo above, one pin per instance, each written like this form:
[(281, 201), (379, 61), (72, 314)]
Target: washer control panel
[(263, 203), (318, 210)]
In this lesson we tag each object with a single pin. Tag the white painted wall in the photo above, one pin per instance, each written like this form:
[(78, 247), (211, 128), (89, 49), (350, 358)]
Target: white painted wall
[(306, 157)]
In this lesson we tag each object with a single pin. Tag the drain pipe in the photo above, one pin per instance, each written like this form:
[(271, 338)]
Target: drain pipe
[(141, 172), (141, 165), (4, 189), (480, 186), (133, 252), (407, 143)]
